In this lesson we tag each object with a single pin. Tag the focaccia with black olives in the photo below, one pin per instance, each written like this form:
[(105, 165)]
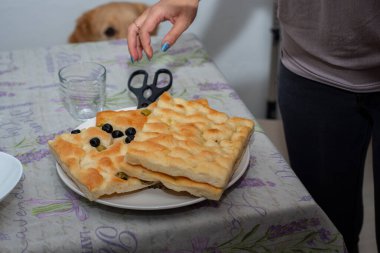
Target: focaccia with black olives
[(98, 167)]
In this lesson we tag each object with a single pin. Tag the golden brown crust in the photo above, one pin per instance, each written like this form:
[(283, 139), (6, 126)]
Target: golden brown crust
[(94, 172), (121, 119), (179, 184), (189, 139)]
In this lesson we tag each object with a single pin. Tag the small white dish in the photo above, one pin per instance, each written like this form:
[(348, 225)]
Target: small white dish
[(10, 174)]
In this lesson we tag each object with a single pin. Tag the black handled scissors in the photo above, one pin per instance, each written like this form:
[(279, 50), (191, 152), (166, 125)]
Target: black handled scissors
[(156, 88)]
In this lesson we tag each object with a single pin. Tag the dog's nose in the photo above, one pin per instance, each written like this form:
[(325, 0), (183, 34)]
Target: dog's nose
[(110, 32)]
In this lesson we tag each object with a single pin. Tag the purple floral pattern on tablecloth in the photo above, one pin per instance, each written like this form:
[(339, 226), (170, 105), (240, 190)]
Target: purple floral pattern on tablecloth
[(304, 235), (33, 156), (214, 86), (6, 94)]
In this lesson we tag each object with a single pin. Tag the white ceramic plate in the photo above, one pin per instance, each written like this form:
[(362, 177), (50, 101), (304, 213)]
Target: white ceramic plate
[(10, 173), (149, 198)]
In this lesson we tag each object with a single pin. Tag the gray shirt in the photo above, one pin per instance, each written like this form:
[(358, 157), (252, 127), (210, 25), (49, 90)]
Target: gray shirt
[(336, 42)]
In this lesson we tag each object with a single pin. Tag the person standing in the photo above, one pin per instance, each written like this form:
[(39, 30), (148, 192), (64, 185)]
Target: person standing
[(329, 94)]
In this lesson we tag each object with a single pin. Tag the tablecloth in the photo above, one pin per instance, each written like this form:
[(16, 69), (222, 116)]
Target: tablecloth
[(267, 210)]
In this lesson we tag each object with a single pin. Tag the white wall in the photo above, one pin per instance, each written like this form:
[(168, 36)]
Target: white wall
[(236, 33)]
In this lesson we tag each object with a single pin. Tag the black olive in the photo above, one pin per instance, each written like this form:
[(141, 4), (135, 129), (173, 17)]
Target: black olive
[(95, 142), (76, 131), (107, 128), (117, 134), (130, 131), (129, 138)]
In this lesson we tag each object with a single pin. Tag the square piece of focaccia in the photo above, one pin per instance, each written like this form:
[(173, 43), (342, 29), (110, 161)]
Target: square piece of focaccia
[(189, 146), (98, 167)]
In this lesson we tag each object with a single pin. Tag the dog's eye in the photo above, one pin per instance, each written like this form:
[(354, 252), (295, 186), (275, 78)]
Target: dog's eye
[(110, 32)]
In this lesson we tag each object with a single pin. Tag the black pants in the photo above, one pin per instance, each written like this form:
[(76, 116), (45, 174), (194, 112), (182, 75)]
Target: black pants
[(328, 131)]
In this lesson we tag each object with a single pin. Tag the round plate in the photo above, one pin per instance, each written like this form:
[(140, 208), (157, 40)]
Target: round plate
[(149, 198), (10, 173)]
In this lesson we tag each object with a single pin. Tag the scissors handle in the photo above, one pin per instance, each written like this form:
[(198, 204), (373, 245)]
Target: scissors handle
[(156, 91)]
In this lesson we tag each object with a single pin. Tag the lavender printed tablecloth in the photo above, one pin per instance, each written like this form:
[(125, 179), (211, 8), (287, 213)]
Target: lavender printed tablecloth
[(267, 210)]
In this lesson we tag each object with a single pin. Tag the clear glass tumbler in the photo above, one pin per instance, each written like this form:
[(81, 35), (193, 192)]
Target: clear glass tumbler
[(83, 89)]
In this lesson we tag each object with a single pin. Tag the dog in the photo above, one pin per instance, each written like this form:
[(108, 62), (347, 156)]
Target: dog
[(106, 22)]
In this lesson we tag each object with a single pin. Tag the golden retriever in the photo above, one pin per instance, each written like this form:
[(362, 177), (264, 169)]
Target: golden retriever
[(106, 22)]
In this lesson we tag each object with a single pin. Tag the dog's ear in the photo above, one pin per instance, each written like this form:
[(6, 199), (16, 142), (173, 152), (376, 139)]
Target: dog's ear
[(82, 30)]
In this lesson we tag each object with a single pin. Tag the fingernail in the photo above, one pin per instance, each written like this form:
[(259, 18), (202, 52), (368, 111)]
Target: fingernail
[(165, 47), (132, 60)]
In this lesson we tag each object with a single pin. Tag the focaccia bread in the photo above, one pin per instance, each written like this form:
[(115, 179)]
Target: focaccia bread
[(188, 139), (179, 184), (185, 145), (120, 120), (97, 167)]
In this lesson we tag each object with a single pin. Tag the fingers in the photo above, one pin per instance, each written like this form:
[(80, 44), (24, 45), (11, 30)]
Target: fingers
[(146, 30), (139, 50), (175, 32), (170, 38), (139, 37), (134, 45), (180, 13)]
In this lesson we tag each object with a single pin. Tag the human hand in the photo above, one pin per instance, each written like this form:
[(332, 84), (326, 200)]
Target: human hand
[(181, 13)]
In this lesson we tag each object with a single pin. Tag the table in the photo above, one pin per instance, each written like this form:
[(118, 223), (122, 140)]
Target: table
[(268, 210)]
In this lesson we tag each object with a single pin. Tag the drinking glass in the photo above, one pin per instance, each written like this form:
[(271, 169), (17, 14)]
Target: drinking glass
[(83, 89)]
